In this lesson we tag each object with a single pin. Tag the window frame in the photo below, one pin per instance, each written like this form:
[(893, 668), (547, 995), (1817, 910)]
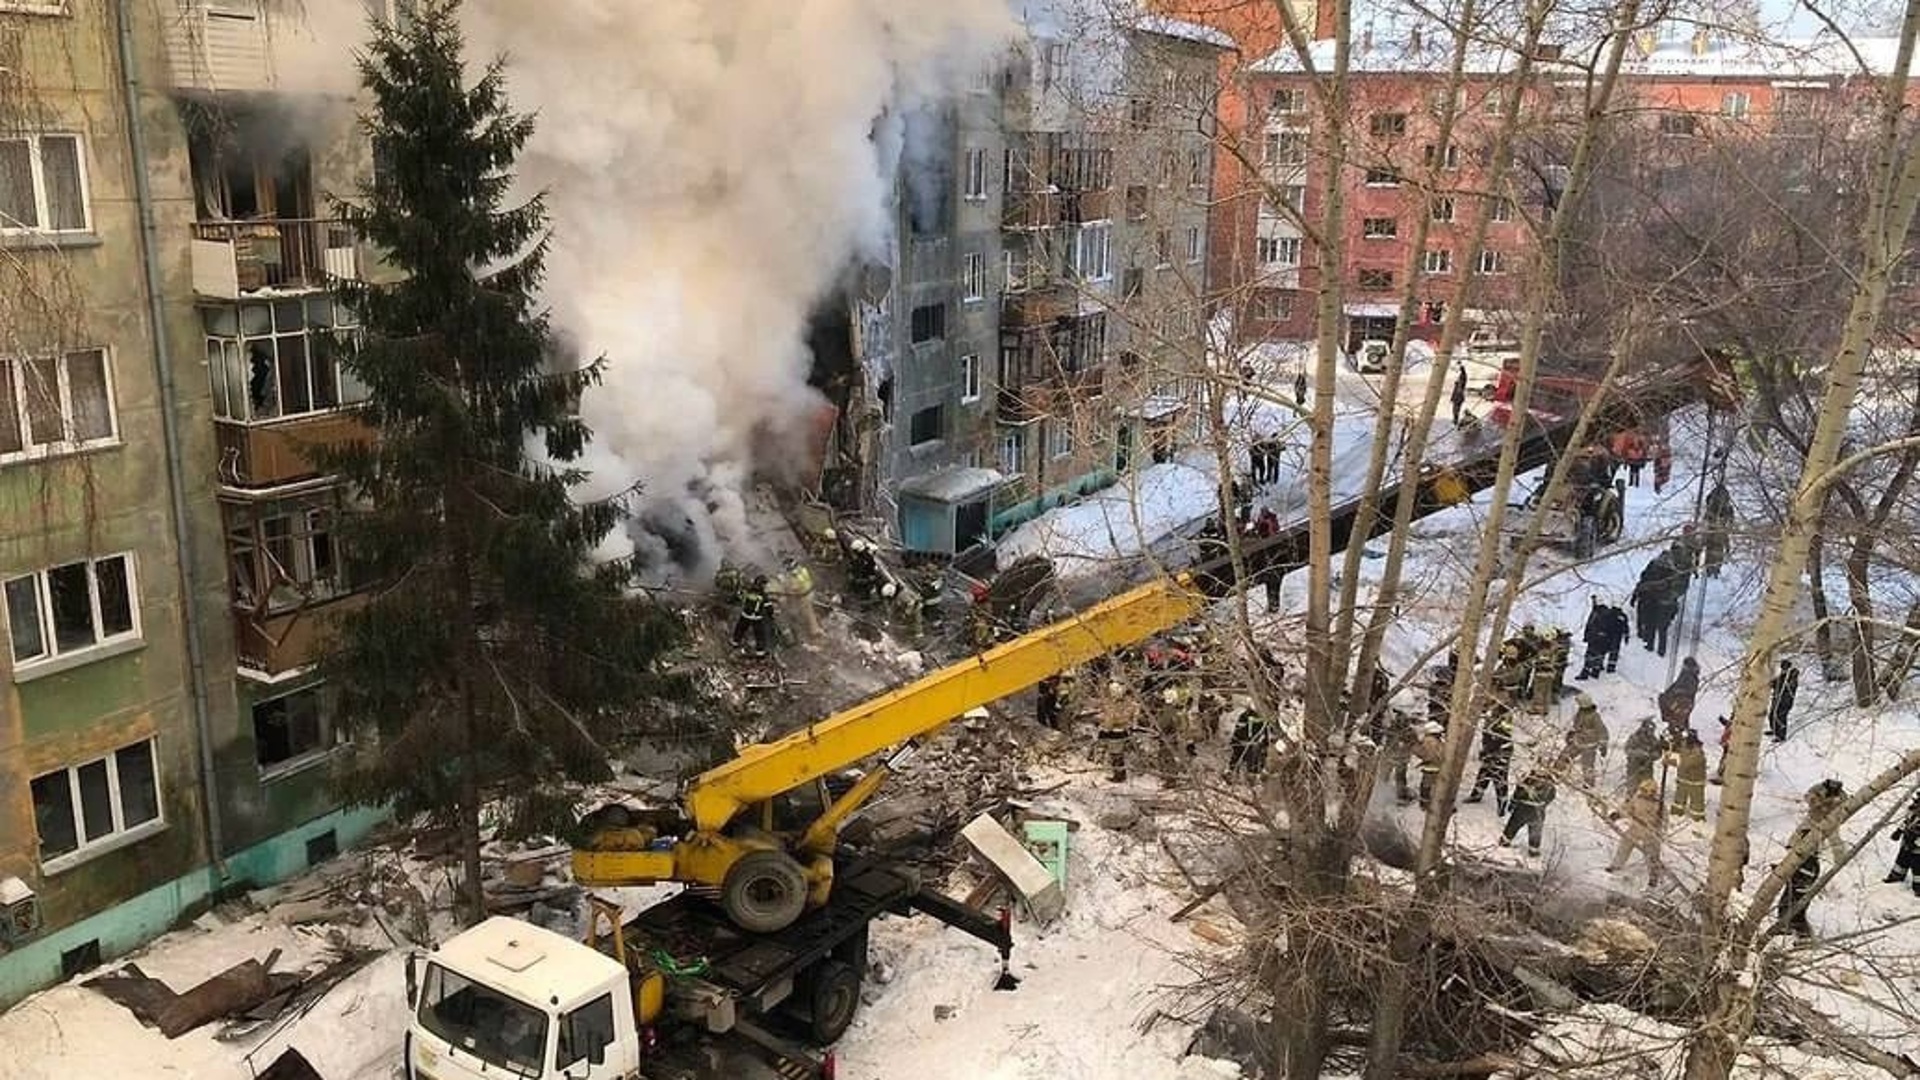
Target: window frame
[(1196, 250), (1282, 245), (36, 166), (1379, 228), (1437, 261), (974, 184), (14, 369), (51, 656), (1059, 438), (973, 277), (1382, 176), (1373, 279), (969, 378), (1083, 246), (1679, 125), (1387, 125), (1287, 147), (1010, 451), (939, 411), (220, 374), (1736, 104), (1491, 262), (1501, 210), (1434, 210), (330, 740), (122, 834), (939, 332), (1295, 98)]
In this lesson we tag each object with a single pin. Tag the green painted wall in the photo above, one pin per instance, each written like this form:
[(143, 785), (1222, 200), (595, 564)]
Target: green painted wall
[(1012, 517)]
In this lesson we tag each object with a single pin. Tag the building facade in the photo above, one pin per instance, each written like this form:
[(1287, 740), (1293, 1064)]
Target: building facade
[(164, 371)]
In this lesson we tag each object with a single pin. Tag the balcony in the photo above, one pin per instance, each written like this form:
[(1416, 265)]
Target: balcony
[(1031, 210), (233, 260), (1049, 395), (1040, 304), (1080, 207), (275, 644), (272, 454), (244, 46)]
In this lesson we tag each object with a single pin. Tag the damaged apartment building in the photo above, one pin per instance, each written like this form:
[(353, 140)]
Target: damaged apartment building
[(1038, 329), (167, 364)]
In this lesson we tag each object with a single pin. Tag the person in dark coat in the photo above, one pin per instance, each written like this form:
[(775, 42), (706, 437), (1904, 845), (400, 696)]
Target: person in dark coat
[(1906, 858), (1496, 755), (1619, 628), (1676, 701), (1459, 395), (1529, 809), (754, 624), (1642, 752), (1799, 889), (1050, 701), (1717, 542), (1247, 749), (1656, 601), (1440, 688), (1786, 687), (1662, 465), (1595, 635), (1300, 388)]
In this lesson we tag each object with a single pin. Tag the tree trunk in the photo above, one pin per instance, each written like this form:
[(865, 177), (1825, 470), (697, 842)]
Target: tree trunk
[(1817, 596), (1860, 595)]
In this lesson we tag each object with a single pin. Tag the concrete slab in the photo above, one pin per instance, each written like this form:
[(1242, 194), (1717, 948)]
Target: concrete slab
[(1011, 859)]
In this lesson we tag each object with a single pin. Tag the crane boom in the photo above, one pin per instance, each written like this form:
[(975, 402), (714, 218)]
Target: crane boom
[(715, 797)]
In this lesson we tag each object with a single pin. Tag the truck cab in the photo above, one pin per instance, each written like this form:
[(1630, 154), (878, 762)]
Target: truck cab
[(510, 999)]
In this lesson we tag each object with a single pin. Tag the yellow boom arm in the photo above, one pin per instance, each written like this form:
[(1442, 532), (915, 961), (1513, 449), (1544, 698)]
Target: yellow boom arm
[(715, 797)]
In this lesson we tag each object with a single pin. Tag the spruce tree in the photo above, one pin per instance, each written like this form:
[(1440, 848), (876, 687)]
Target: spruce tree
[(491, 653)]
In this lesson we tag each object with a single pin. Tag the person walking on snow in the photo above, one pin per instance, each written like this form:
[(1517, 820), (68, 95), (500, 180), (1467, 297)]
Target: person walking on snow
[(1642, 753), (1906, 858), (1247, 748), (1785, 687), (1640, 816), (1630, 447), (1459, 395), (1718, 540), (1597, 634), (1496, 755), (1529, 809), (1655, 602), (1587, 741), (1429, 749), (1300, 388), (1823, 799), (1799, 888), (1676, 701), (1689, 760)]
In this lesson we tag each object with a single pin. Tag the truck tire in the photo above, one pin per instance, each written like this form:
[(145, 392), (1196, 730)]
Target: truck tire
[(764, 892), (833, 996)]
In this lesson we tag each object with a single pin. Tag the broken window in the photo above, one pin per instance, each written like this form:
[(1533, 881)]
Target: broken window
[(928, 323), (86, 805), (71, 608), (273, 360), (283, 560), (292, 729), (927, 425)]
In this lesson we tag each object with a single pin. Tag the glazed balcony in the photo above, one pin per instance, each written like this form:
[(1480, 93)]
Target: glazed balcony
[(235, 260)]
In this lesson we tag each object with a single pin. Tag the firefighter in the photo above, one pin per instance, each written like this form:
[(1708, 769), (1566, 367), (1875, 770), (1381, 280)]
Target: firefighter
[(1716, 544), (1459, 395), (1529, 809), (753, 625), (1398, 753), (1429, 749), (1823, 799), (1496, 755), (1676, 701), (1119, 717), (1640, 817), (1051, 698), (1440, 687), (1642, 752), (1247, 748), (863, 569), (796, 587), (1906, 859), (1689, 759), (1550, 668), (1587, 740), (1799, 889)]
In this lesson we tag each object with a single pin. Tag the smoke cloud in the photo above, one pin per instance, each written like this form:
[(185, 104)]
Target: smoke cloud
[(714, 168)]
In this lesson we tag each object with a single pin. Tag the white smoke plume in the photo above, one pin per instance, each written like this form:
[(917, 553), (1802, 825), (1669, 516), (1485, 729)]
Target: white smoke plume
[(714, 169)]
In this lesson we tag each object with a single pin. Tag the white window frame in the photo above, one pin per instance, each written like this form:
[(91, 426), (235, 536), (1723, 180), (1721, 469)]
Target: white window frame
[(31, 7), (1287, 147), (347, 394), (43, 611), (1501, 210), (1284, 249), (1437, 261), (1093, 251), (969, 378), (330, 740), (973, 277), (1195, 249), (1059, 438), (1491, 262), (1735, 104), (1441, 209), (1289, 101), (36, 165), (89, 847), (1010, 452), (1379, 228), (1385, 170), (1197, 168), (976, 176), (16, 372), (1271, 305)]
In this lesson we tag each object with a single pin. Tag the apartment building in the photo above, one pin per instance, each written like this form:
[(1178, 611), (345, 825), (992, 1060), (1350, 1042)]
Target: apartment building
[(1046, 292), (166, 366)]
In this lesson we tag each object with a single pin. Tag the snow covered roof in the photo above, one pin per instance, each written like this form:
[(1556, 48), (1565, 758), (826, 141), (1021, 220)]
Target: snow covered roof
[(1824, 56), (953, 485), (1182, 30), (1411, 52)]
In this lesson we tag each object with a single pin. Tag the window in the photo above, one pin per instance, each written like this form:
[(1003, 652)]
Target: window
[(1383, 176), (1434, 312), (1169, 168), (1194, 247), (1290, 101), (969, 378), (1437, 261), (1137, 202), (1140, 113), (1016, 279), (1447, 158), (973, 276), (1093, 251), (1493, 103), (1280, 250), (1079, 343), (1492, 262), (585, 1033), (1375, 280), (1387, 125), (1735, 104), (1010, 453), (1441, 209), (292, 730), (43, 184), (1196, 168), (976, 179), (279, 359), (927, 425), (1163, 247), (1272, 305), (55, 404), (85, 806), (1059, 437), (1293, 197), (1286, 148), (1132, 283), (485, 1024), (1501, 210), (1053, 64), (280, 561), (35, 7), (1678, 124), (1379, 228), (928, 323), (69, 609)]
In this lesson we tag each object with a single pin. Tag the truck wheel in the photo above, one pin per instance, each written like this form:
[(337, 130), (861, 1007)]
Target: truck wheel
[(764, 892), (834, 997)]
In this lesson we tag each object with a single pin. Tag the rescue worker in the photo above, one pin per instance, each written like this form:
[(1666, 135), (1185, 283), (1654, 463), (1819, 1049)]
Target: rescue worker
[(1429, 749), (1676, 701), (1906, 858), (796, 586), (1799, 888), (1639, 816), (1606, 631), (1459, 395), (1119, 717), (1247, 746), (1440, 687), (863, 569), (1642, 753), (1717, 542), (1051, 698), (1529, 809), (1689, 759), (1398, 753), (1587, 740), (1550, 669), (1631, 448), (1513, 675), (1823, 799), (1656, 601), (1785, 688), (753, 625), (1496, 754)]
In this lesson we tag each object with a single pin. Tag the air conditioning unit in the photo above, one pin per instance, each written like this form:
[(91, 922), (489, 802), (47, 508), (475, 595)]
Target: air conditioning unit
[(19, 911)]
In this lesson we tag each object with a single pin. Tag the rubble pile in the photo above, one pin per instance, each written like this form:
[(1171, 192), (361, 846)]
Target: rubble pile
[(975, 767)]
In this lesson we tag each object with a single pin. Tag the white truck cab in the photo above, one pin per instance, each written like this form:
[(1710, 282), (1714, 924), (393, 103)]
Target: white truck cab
[(510, 999)]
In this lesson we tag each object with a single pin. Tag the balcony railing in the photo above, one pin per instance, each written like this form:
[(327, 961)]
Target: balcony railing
[(1037, 305), (236, 259), (1031, 210), (1049, 395), (276, 644), (264, 455)]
